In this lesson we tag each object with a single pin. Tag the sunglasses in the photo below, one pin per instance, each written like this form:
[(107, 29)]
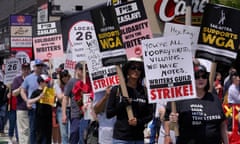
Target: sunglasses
[(134, 67), (203, 76), (40, 65)]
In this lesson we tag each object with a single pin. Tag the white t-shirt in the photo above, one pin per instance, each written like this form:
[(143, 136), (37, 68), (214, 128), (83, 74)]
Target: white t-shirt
[(233, 94)]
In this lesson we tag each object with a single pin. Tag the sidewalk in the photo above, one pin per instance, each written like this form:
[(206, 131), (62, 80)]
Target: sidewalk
[(4, 139)]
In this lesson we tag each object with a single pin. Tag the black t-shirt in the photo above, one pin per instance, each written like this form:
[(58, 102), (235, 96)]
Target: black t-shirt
[(199, 120), (142, 110), (3, 93), (42, 110)]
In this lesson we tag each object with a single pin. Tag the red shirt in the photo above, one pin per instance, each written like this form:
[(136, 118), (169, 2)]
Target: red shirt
[(13, 102)]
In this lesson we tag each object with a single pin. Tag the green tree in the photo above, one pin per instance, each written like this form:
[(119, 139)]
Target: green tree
[(230, 3)]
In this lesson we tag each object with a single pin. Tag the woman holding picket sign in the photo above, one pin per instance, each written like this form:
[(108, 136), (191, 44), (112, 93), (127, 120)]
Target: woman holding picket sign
[(201, 120), (130, 130)]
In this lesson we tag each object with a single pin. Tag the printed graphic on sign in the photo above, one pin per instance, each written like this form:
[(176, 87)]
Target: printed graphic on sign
[(171, 29), (219, 34), (49, 97), (134, 26), (21, 42), (47, 47), (23, 57), (12, 68), (168, 68), (42, 13), (20, 20), (94, 62), (26, 50), (23, 31), (87, 104), (175, 10), (104, 77), (81, 36), (70, 63), (49, 28), (108, 35)]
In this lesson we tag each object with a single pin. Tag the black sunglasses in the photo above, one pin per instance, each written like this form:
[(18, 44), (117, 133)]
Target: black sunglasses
[(203, 76), (39, 65), (134, 67)]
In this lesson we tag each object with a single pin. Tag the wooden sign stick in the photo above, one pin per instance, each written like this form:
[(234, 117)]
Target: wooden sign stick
[(212, 76), (84, 72), (124, 91), (174, 125)]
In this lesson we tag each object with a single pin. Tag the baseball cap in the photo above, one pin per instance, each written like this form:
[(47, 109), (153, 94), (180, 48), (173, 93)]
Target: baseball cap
[(44, 78), (135, 59), (38, 62)]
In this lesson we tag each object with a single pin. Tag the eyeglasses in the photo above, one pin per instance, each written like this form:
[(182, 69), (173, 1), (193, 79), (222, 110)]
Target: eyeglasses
[(203, 76), (134, 67)]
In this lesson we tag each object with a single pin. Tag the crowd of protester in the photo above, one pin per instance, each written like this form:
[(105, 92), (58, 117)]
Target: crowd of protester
[(31, 121)]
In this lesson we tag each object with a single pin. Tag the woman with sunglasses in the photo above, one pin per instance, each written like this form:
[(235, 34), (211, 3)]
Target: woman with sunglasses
[(64, 77), (201, 120), (130, 131)]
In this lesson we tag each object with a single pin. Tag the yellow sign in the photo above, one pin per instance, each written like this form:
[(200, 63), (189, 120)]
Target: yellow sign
[(49, 97)]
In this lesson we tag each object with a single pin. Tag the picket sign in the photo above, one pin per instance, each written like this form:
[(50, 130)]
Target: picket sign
[(124, 91), (234, 135), (188, 21)]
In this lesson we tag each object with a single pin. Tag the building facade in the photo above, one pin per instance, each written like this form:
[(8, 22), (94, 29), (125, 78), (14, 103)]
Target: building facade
[(57, 8)]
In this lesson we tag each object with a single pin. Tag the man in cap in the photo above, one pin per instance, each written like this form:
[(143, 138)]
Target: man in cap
[(28, 86), (21, 108)]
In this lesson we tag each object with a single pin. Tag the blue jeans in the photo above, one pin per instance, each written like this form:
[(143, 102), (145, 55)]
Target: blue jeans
[(83, 125), (12, 116), (63, 127), (154, 128), (77, 130), (74, 131), (3, 117), (117, 141), (32, 124)]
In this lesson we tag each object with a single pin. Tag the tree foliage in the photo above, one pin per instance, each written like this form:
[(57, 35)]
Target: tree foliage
[(230, 3)]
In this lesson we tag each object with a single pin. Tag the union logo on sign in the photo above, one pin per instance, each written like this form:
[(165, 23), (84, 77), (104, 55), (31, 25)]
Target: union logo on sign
[(20, 19)]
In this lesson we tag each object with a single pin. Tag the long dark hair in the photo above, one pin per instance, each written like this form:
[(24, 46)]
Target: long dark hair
[(63, 73), (126, 67)]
